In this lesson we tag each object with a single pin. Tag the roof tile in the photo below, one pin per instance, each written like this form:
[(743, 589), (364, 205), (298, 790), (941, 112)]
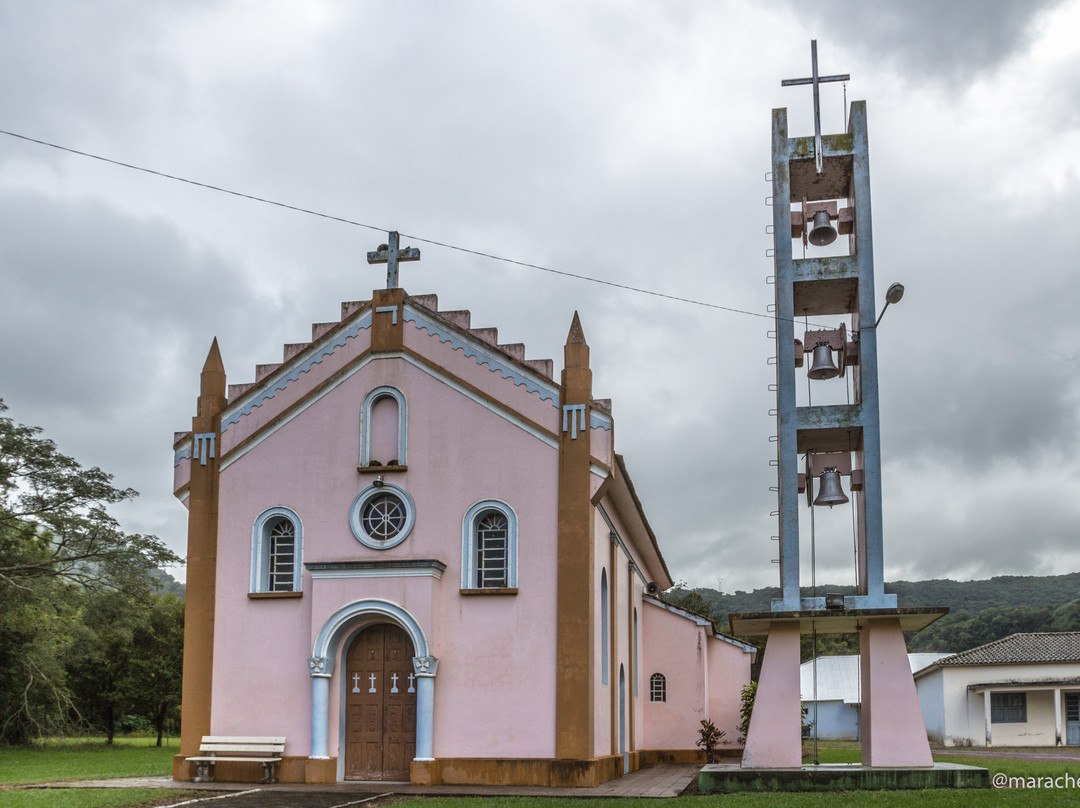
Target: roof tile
[(1020, 648)]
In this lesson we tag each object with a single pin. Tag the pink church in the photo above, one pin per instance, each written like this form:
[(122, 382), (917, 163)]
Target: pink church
[(416, 555)]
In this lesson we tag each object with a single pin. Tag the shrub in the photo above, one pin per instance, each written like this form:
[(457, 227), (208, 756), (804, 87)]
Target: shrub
[(708, 739)]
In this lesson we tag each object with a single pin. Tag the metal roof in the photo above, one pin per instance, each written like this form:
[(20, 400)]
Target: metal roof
[(838, 676)]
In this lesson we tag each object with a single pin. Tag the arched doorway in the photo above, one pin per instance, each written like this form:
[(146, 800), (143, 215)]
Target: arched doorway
[(380, 704)]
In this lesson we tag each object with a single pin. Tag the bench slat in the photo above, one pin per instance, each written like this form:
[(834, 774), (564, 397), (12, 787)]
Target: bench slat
[(241, 747), (233, 759), (243, 739)]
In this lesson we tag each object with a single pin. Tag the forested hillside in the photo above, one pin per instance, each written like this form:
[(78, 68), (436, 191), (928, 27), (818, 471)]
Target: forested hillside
[(980, 611)]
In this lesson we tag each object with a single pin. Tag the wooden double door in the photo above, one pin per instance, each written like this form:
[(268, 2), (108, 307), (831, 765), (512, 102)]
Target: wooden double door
[(380, 705)]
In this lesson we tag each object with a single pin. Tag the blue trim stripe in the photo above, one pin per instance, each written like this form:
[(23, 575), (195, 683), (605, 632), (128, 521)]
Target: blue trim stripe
[(325, 350), (183, 453), (482, 356), (598, 420)]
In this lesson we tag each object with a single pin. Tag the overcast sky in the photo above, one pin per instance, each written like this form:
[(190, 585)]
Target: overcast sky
[(628, 141)]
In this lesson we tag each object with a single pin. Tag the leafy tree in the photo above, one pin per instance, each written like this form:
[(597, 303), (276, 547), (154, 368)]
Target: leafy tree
[(57, 541), (53, 518), (154, 682), (35, 636)]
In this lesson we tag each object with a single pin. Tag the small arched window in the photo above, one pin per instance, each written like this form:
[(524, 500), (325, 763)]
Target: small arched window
[(489, 547), (657, 687), (276, 546), (383, 422), (604, 641)]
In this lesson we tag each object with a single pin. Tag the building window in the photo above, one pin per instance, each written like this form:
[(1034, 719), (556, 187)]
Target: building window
[(492, 528), (383, 433), (657, 687), (382, 516), (489, 547), (1008, 708), (604, 641), (276, 545)]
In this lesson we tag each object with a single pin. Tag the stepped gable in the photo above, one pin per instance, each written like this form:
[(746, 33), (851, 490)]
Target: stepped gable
[(460, 320)]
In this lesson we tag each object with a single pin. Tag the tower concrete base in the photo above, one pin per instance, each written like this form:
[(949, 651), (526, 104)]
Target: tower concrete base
[(729, 778)]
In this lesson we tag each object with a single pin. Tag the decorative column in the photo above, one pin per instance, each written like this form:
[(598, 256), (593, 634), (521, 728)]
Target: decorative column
[(201, 561), (574, 675), (425, 669), (321, 671)]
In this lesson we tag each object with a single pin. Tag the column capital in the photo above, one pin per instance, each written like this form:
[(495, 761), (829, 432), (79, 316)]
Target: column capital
[(426, 666)]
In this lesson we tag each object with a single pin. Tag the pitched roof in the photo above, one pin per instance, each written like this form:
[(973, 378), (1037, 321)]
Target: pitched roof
[(704, 622), (1061, 646)]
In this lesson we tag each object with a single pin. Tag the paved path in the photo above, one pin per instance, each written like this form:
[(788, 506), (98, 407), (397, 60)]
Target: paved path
[(1053, 754), (666, 780)]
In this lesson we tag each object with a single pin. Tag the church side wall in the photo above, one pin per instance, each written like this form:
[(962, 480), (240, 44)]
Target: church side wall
[(729, 670), (676, 648), (602, 680), (616, 728)]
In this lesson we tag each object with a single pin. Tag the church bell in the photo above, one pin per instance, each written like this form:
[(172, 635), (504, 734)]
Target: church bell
[(823, 366), (823, 233), (831, 492)]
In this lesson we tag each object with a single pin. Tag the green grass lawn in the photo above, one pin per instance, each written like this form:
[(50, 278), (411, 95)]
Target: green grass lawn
[(86, 758), (90, 759)]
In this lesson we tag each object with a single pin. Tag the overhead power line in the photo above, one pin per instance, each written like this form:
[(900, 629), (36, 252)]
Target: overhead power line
[(354, 223)]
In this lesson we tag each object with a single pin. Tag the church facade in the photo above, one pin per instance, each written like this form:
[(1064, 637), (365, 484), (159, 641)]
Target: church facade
[(417, 556)]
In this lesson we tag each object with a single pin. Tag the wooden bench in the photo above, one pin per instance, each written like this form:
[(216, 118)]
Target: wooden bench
[(218, 748)]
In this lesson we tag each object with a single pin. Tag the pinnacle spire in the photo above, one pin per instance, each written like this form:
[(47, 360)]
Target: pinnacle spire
[(213, 362), (576, 335), (212, 383)]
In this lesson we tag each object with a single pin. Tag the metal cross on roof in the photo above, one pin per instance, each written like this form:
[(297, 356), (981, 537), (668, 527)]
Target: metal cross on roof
[(390, 255), (815, 79)]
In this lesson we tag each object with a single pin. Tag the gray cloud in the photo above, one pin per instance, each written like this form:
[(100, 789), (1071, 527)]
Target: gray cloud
[(948, 42), (627, 143)]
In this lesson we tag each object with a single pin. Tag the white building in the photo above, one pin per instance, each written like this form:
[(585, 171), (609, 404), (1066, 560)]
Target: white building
[(834, 705), (1023, 690)]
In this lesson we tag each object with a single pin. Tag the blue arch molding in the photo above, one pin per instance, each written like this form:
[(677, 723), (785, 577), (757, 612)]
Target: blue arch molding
[(468, 542), (183, 452), (260, 551), (402, 423), (347, 618), (324, 351)]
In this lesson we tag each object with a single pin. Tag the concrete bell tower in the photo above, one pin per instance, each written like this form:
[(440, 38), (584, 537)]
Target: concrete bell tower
[(825, 308)]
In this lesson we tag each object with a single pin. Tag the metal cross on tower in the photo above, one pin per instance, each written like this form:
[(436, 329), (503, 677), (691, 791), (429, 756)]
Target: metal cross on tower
[(390, 255), (815, 79)]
